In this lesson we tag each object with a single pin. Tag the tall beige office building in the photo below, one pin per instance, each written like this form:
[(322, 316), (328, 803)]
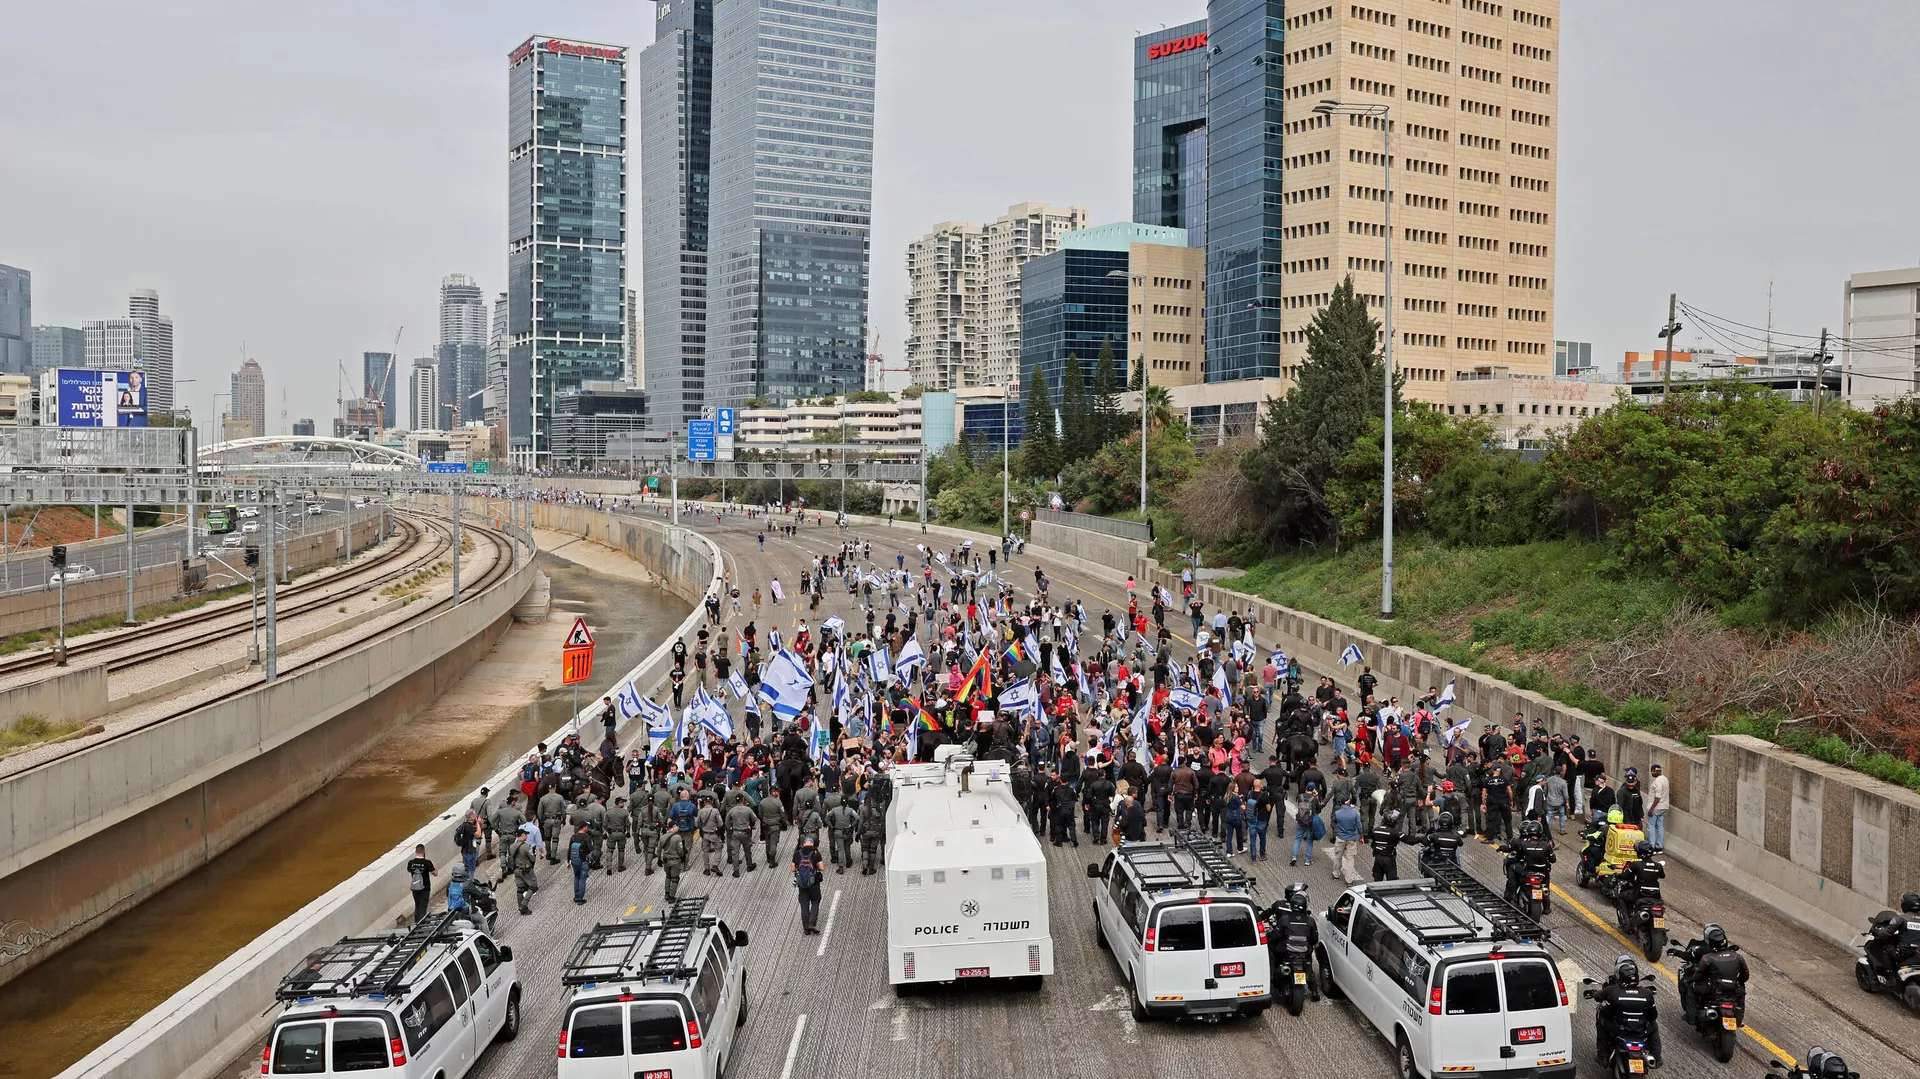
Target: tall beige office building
[(1473, 91), (963, 299)]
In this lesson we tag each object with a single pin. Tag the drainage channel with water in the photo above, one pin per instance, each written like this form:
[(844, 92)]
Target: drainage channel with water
[(62, 1010)]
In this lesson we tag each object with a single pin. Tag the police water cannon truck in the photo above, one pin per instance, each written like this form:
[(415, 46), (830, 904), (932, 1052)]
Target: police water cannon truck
[(966, 878)]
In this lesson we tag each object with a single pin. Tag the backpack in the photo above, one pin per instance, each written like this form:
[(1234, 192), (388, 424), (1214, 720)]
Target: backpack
[(806, 873)]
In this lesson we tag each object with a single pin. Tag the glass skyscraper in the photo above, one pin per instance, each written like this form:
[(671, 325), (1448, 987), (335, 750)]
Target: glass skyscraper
[(566, 229), (791, 198), (1244, 124), (1170, 69), (676, 123)]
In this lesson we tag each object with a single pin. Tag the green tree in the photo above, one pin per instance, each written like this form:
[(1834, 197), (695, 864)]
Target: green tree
[(1106, 396), (1308, 432), (869, 397), (1137, 374), (1039, 446), (1426, 444), (1078, 437), (1109, 481)]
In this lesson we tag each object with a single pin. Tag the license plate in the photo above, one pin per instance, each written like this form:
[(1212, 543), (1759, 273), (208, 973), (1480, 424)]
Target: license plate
[(658, 1073), (1229, 970), (1526, 1035), (973, 972), (1299, 977), (1536, 893), (1728, 1022), (1659, 923), (1636, 1065)]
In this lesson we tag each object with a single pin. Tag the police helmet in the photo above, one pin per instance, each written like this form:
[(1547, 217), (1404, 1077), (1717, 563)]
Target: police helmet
[(1825, 1065), (1910, 903), (1615, 816), (1530, 829), (1625, 970), (1392, 818), (1716, 937), (1297, 895), (1643, 850), (1445, 822), (459, 871)]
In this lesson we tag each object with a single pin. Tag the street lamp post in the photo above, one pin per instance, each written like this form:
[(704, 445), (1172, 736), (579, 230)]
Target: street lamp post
[(1146, 337), (1006, 474), (1383, 115)]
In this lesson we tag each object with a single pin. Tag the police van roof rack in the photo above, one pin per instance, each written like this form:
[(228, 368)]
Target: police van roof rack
[(612, 951), (391, 972), (1160, 867), (669, 955), (332, 970), (1508, 921)]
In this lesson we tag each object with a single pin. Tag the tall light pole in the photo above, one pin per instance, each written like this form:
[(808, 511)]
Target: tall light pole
[(1006, 473), (1146, 338), (1383, 116)]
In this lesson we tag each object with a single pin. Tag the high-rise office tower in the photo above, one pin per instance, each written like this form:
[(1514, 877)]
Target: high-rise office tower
[(636, 346), (566, 229), (496, 398), (16, 321), (462, 350), (156, 333), (791, 198), (380, 381), (58, 346), (115, 344), (963, 303), (1295, 198), (676, 123), (249, 400), (424, 388), (1170, 74)]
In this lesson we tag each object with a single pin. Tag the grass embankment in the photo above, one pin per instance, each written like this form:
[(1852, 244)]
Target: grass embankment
[(30, 731)]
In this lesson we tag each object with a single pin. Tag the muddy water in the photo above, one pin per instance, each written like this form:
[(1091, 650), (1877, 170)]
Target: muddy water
[(63, 1009)]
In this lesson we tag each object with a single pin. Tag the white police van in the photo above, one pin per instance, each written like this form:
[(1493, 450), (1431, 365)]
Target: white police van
[(654, 997), (427, 1003), (1460, 982), (1180, 920)]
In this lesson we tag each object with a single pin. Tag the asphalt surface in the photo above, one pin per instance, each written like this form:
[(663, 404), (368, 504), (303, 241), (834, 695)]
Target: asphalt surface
[(822, 1005)]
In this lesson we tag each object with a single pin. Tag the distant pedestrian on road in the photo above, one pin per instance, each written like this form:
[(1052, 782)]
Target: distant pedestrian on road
[(420, 874), (806, 878), (578, 850)]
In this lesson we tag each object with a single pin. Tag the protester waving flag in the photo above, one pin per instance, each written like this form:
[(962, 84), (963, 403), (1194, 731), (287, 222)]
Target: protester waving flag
[(739, 686), (911, 655), (1446, 698), (659, 723), (1147, 647), (1243, 652), (1220, 683), (628, 699), (1019, 695), (1350, 655), (1452, 734), (789, 680), (1140, 728), (979, 679), (1185, 698), (779, 594), (834, 624), (1058, 671)]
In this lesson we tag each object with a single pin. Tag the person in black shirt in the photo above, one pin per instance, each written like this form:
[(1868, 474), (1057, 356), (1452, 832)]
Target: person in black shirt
[(1367, 683), (420, 874)]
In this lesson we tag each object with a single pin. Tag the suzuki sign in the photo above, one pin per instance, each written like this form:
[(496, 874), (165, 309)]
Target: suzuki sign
[(1163, 49)]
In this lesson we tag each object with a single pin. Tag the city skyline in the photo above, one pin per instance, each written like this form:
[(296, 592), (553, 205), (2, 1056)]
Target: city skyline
[(1632, 85)]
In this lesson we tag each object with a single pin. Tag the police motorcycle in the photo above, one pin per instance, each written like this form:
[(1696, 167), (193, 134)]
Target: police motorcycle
[(1289, 932), (1890, 962), (1821, 1064), (1720, 1001), (1529, 886), (1626, 1025), (1638, 907)]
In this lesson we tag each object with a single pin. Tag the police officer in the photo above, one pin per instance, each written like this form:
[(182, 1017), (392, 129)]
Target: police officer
[(842, 822), (1385, 839), (1443, 843), (773, 821), (1640, 876), (1133, 820), (579, 848), (1712, 956), (673, 858), (520, 862), (1496, 801), (740, 819), (648, 821), (871, 823), (811, 823), (553, 813), (1533, 850), (482, 807), (1406, 794), (596, 831), (1364, 786), (1624, 990), (1096, 804), (617, 823), (506, 820), (712, 833), (1289, 912)]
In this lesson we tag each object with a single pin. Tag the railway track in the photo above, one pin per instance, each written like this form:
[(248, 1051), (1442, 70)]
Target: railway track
[(427, 540)]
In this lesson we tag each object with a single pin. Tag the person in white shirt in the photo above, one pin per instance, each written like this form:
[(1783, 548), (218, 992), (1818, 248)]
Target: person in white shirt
[(1658, 792)]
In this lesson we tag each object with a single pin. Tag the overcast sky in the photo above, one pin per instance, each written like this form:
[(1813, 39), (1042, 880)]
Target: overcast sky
[(300, 177)]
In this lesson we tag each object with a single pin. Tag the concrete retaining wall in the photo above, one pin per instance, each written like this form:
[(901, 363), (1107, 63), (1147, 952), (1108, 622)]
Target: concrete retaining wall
[(1110, 558), (69, 697), (132, 814), (97, 598), (1825, 846), (205, 1025)]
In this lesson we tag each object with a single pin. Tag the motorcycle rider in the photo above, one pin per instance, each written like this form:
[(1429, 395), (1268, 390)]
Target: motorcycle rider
[(1532, 851), (1887, 939), (1443, 843), (1706, 958), (1642, 876), (1289, 912), (1385, 839), (1821, 1064), (1624, 991)]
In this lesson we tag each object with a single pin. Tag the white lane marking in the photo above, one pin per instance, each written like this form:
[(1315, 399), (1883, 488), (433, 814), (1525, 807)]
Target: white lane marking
[(1117, 1001), (826, 933), (793, 1047), (900, 1022)]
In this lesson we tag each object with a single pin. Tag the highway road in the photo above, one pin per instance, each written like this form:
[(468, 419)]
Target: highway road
[(822, 1005)]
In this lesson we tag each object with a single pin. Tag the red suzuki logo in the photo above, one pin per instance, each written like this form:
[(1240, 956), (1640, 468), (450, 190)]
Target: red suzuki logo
[(1179, 44), (598, 52)]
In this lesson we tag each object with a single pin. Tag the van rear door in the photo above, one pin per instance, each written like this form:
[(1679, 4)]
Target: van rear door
[(594, 1042), (1237, 962), (1470, 1030), (1177, 965), (1539, 1030)]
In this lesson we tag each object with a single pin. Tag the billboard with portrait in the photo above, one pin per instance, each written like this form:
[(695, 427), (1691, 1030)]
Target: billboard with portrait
[(91, 398)]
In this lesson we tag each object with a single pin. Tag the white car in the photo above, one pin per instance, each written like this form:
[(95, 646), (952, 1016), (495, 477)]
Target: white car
[(73, 575), (425, 1004), (249, 511), (249, 527)]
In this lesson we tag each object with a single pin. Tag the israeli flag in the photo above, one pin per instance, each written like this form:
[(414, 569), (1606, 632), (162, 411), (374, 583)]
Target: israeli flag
[(1032, 646), (773, 638), (819, 742), (714, 718), (1452, 734), (1147, 647), (628, 700), (1019, 695), (789, 681), (881, 666), (1059, 672), (1446, 698), (739, 686), (842, 699), (834, 624), (1185, 698), (659, 723), (911, 655), (1350, 655), (779, 594), (1220, 683), (1085, 689), (1243, 652), (1140, 729)]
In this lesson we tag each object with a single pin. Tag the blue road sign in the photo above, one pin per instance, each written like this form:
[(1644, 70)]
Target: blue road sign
[(446, 466), (724, 421), (700, 440)]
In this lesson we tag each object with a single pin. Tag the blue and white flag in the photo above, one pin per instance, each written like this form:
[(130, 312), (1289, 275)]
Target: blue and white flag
[(1086, 690), (788, 680), (842, 699), (1452, 734), (1220, 683), (739, 686), (714, 717), (1058, 671), (1350, 655), (834, 624), (659, 723), (1140, 728), (881, 665), (1032, 646), (820, 741), (1185, 698), (773, 638), (1147, 647), (628, 700), (1019, 695), (911, 655), (1446, 698), (1243, 652)]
